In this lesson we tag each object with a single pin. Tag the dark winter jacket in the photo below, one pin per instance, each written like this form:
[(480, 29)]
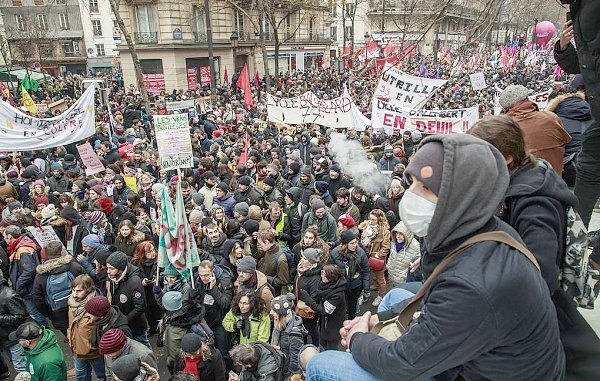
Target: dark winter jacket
[(251, 196), (12, 313), (354, 266), (576, 116), (54, 266), (59, 184), (291, 339), (295, 213), (227, 203), (23, 260), (388, 163), (215, 251), (586, 58), (335, 184), (217, 301), (265, 370), (129, 243), (327, 226), (306, 189), (209, 369), (330, 304), (129, 296), (491, 288)]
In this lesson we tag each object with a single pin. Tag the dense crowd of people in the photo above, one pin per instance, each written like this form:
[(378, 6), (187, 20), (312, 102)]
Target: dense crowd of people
[(292, 245)]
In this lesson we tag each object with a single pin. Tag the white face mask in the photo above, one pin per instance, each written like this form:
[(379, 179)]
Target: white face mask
[(416, 212)]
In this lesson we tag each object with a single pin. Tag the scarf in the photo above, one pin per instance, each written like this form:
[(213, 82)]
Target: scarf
[(116, 281), (77, 308), (367, 235), (399, 246), (245, 329), (191, 365)]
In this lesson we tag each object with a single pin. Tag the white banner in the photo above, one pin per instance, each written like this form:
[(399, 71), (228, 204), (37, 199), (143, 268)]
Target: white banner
[(403, 89), (180, 105), (541, 99), (174, 141), (23, 132), (395, 119), (308, 108)]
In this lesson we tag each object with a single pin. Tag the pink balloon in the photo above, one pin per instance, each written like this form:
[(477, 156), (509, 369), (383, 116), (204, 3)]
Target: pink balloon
[(544, 31)]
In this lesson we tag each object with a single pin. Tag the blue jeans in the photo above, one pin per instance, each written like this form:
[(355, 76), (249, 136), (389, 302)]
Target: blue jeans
[(395, 295), (18, 358), (35, 314), (143, 338), (83, 369)]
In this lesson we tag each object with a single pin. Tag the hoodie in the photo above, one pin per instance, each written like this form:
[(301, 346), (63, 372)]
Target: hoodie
[(400, 258), (489, 306), (46, 361)]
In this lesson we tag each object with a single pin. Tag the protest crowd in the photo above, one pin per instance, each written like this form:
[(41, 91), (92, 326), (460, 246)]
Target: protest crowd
[(253, 257)]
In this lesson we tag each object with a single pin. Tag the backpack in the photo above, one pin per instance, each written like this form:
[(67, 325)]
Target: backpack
[(58, 290), (291, 261), (574, 268), (280, 359)]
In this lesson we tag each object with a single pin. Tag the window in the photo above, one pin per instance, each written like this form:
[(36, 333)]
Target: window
[(200, 22), (20, 22), (349, 33), (45, 48), (42, 21), (115, 24), (17, 3), (145, 19), (61, 2), (239, 23), (350, 10), (333, 11), (267, 29), (100, 50), (97, 27), (76, 46), (333, 33), (38, 2), (94, 6), (311, 27), (63, 20), (68, 49)]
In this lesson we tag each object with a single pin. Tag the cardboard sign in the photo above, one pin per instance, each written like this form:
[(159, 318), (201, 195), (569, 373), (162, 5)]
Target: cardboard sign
[(180, 105), (174, 141), (477, 81), (89, 158), (131, 182), (60, 105), (43, 235)]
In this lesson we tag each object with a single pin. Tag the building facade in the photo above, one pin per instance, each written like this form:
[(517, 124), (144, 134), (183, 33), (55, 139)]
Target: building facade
[(45, 33), (101, 35)]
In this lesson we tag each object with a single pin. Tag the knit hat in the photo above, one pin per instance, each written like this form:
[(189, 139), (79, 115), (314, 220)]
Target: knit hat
[(206, 221), (127, 367), (157, 188), (198, 198), (347, 220), (39, 182), (70, 214), (195, 217), (317, 204), (269, 181), (246, 264), (172, 300), (30, 172), (55, 166), (312, 255), (395, 184), (294, 155), (48, 212), (387, 149), (102, 256), (283, 304), (242, 208), (97, 306), (223, 186), (306, 170), (23, 376), (245, 180), (80, 184), (295, 167), (170, 270), (209, 175), (321, 186), (255, 213), (427, 165), (96, 217), (336, 168), (106, 205), (41, 200), (347, 236), (97, 188), (416, 136), (512, 94), (118, 260), (14, 205), (251, 227), (119, 178), (112, 341), (91, 240), (191, 342)]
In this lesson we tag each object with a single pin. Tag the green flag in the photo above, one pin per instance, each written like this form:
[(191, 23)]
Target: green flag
[(26, 83)]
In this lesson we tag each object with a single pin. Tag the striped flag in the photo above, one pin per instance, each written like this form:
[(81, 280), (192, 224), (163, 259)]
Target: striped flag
[(176, 243)]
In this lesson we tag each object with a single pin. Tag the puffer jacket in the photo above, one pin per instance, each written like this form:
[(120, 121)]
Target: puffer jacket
[(23, 262), (129, 296), (399, 261), (227, 203), (291, 339), (260, 327), (128, 244)]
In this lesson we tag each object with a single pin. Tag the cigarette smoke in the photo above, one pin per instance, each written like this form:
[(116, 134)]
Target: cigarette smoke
[(352, 158)]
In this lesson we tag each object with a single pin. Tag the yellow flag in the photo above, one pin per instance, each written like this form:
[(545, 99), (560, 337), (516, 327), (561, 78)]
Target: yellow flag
[(28, 102)]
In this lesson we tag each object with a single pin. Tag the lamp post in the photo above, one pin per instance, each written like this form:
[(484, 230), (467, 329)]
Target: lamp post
[(234, 39), (534, 34)]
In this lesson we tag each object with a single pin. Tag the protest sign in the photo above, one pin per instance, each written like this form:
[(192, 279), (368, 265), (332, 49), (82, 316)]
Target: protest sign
[(395, 119), (173, 140), (180, 105), (308, 108), (477, 81), (403, 89), (541, 99), (43, 235), (131, 182), (60, 106), (89, 158), (204, 104), (42, 107), (19, 130)]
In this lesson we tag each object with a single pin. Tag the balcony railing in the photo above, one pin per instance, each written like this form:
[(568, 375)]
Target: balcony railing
[(146, 37)]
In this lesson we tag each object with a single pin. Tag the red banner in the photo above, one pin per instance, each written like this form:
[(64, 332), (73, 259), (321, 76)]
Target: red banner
[(205, 75), (155, 83), (192, 79)]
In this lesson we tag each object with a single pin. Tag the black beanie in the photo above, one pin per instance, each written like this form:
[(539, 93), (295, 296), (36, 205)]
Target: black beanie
[(427, 165)]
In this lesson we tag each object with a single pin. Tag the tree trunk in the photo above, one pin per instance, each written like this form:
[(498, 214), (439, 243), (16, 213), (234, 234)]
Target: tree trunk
[(276, 41), (136, 61), (263, 49)]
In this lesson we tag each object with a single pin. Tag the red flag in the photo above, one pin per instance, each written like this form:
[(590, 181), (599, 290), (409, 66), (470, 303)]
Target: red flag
[(347, 49), (243, 83), (256, 80), (244, 154), (372, 48), (226, 77)]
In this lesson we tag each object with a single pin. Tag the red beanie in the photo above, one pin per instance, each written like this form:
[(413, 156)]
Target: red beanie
[(97, 306), (39, 200), (347, 221), (106, 205), (112, 341)]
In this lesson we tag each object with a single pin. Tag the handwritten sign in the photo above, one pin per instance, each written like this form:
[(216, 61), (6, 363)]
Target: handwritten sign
[(174, 141), (403, 89), (131, 182), (180, 105), (477, 81), (308, 108), (43, 235), (19, 130), (204, 104), (396, 119), (89, 158)]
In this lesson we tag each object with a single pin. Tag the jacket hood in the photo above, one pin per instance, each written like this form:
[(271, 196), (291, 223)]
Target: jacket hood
[(408, 235), (295, 326), (295, 192), (522, 110), (470, 191), (540, 180), (571, 106), (47, 341), (136, 237), (228, 246), (55, 265), (267, 364), (131, 271)]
